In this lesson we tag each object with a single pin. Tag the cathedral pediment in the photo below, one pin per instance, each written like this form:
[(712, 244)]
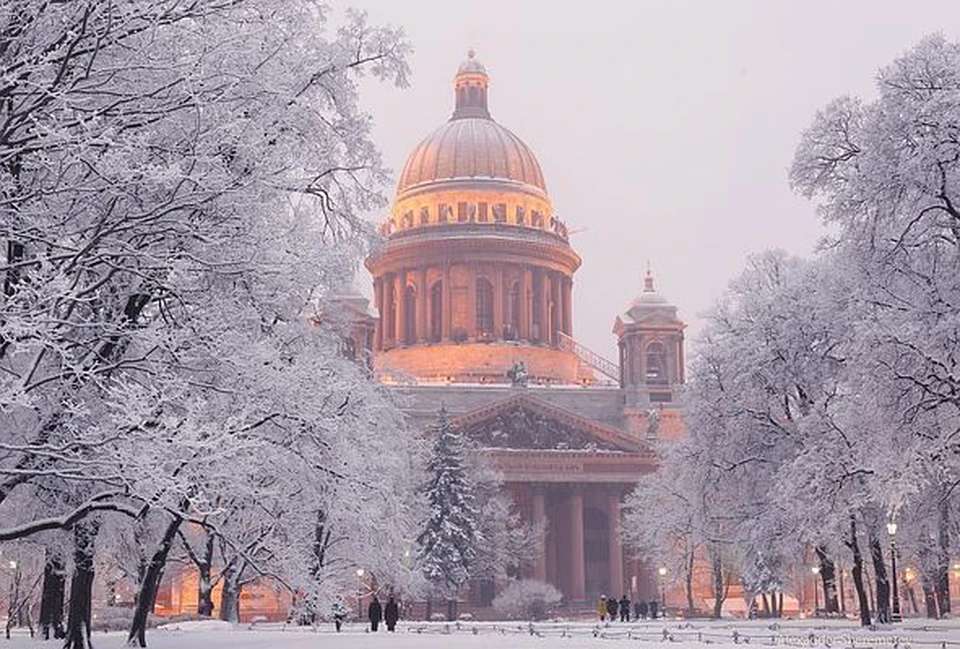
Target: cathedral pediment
[(522, 422)]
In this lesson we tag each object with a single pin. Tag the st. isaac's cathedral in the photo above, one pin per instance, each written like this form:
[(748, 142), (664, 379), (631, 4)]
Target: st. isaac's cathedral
[(473, 309)]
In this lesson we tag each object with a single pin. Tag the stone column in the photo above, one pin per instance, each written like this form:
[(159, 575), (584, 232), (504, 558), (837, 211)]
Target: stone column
[(616, 549), (498, 302), (389, 326), (568, 306), (544, 306), (472, 302), (401, 307), (556, 308), (577, 575), (540, 519), (378, 302), (526, 300), (422, 294), (446, 296)]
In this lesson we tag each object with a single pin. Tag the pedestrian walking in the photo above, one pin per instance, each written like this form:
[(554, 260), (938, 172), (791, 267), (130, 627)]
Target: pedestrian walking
[(602, 608), (391, 613), (624, 609), (612, 607), (375, 613), (339, 613)]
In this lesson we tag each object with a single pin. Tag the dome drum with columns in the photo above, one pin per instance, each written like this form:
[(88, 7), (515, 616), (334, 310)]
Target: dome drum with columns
[(476, 273)]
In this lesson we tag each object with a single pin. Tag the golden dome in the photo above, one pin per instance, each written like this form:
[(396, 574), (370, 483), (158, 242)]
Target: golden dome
[(471, 148)]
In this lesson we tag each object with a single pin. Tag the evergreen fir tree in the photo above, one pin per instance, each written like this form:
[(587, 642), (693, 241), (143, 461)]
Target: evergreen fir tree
[(449, 540)]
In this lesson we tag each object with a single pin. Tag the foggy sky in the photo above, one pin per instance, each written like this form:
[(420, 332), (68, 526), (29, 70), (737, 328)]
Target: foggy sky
[(665, 130)]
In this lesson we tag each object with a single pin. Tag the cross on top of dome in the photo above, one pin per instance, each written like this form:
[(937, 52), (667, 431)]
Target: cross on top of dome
[(471, 65)]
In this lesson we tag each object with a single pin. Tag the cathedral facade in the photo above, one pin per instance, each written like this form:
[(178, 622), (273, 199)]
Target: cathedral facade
[(473, 294)]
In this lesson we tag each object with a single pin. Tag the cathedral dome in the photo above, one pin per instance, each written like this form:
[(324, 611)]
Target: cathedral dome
[(471, 147)]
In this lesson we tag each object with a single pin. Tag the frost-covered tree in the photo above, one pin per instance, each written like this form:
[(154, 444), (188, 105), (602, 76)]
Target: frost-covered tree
[(506, 542), (180, 184), (886, 175), (451, 535)]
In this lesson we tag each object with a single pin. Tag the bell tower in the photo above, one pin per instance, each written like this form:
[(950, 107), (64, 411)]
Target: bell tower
[(650, 338)]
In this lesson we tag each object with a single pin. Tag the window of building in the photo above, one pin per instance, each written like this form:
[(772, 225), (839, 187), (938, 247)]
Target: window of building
[(436, 311), (410, 315), (656, 366), (484, 308)]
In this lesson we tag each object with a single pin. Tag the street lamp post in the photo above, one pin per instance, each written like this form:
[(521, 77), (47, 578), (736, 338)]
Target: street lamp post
[(663, 592), (816, 593), (359, 593), (895, 613)]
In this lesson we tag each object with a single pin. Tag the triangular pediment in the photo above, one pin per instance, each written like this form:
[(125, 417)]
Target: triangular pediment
[(523, 422)]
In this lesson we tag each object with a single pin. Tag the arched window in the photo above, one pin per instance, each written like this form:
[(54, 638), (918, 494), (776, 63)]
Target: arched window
[(484, 308), (409, 315), (656, 365), (514, 319), (436, 311)]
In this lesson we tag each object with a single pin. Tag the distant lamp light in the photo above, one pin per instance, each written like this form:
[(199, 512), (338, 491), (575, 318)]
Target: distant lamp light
[(662, 572), (360, 573), (892, 528), (13, 565), (815, 570)]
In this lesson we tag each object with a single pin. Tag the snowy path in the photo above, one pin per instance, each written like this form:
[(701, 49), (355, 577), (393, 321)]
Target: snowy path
[(918, 634)]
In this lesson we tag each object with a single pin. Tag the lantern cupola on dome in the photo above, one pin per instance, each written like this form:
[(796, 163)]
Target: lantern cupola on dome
[(471, 86)]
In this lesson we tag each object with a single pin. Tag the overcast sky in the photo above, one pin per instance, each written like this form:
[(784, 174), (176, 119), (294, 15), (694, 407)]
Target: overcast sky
[(664, 129)]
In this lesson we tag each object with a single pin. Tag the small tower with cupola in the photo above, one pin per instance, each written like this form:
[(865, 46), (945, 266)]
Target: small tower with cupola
[(650, 338)]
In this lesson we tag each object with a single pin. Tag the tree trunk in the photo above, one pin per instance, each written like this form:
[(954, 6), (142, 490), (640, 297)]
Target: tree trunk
[(81, 585), (52, 596), (230, 595), (943, 558), (147, 596), (766, 605), (719, 585), (930, 599), (828, 574), (689, 586), (883, 584), (205, 581), (857, 573), (780, 604), (451, 609)]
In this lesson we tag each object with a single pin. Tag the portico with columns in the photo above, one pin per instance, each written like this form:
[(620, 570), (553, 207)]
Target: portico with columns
[(569, 475)]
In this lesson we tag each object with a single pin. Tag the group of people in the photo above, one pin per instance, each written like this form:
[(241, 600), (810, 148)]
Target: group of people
[(612, 609), (389, 614), (376, 613)]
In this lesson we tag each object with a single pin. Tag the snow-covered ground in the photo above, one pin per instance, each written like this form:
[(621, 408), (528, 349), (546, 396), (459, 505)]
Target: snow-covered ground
[(834, 634)]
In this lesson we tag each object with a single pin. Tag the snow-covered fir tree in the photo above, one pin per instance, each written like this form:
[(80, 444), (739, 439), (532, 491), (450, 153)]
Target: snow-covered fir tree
[(451, 533)]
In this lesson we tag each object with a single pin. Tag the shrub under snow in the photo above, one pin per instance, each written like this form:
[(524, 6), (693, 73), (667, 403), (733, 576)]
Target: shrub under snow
[(527, 599)]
